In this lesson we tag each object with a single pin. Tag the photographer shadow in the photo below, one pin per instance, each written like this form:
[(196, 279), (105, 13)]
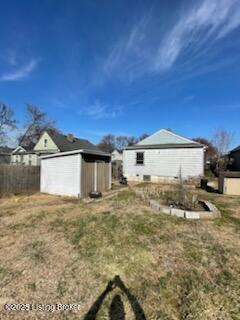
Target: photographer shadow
[(116, 309)]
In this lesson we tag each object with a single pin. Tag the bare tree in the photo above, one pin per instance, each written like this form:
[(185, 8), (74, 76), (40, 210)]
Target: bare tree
[(211, 151), (107, 143), (37, 122), (121, 142), (222, 140), (110, 142), (7, 121), (143, 136)]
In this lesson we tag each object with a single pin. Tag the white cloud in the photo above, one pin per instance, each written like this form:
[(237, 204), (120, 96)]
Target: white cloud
[(99, 110), (210, 20), (126, 56), (21, 72), (138, 52)]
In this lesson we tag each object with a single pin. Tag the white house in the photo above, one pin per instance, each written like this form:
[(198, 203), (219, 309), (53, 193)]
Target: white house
[(116, 155), (163, 155), (23, 156), (50, 142)]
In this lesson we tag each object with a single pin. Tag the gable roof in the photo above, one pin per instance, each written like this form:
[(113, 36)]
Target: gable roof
[(164, 136), (165, 139), (63, 144), (19, 149)]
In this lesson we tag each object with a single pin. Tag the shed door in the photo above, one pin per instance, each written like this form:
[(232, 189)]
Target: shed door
[(101, 177), (87, 178), (95, 175)]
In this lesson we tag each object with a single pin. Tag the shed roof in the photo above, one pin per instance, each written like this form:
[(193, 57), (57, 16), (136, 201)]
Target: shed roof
[(235, 149), (68, 153), (230, 174)]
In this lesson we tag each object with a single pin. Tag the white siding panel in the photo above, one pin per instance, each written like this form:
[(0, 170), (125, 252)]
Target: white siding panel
[(165, 162), (61, 175)]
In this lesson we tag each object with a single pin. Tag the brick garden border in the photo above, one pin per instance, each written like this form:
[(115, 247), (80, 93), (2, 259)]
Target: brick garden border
[(211, 211)]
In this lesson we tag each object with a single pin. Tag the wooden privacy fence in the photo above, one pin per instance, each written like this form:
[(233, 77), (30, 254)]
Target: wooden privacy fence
[(19, 179)]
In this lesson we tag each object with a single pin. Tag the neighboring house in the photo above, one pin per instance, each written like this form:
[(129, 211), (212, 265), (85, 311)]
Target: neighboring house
[(163, 155), (77, 172), (24, 156), (117, 158), (49, 143), (5, 155), (117, 155), (235, 156)]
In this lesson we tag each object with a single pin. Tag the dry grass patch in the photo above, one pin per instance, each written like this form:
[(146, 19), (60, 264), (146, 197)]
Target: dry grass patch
[(55, 249)]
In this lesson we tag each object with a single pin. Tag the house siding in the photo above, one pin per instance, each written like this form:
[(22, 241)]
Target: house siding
[(25, 159), (117, 156), (51, 146), (61, 175), (164, 163)]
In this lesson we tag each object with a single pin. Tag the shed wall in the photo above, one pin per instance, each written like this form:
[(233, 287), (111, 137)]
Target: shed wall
[(61, 175), (232, 186), (165, 163)]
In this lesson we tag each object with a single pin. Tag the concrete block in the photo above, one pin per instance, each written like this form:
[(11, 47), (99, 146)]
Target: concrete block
[(206, 215), (192, 215), (177, 212), (154, 205), (166, 210), (212, 207)]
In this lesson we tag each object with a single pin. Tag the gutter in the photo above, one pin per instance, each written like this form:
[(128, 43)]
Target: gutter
[(165, 146)]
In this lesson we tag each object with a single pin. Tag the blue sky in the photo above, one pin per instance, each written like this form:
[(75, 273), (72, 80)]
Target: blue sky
[(125, 67)]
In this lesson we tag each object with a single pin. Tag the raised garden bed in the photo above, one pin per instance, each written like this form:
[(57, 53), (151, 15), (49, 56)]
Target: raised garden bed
[(210, 212), (199, 209)]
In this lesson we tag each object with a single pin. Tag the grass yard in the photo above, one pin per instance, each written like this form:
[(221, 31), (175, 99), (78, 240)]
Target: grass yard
[(54, 249)]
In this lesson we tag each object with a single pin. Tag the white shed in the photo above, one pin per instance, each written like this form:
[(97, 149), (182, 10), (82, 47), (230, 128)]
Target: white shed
[(162, 156), (75, 173)]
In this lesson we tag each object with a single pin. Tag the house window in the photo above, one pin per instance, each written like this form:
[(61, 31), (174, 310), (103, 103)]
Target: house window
[(45, 143), (140, 158)]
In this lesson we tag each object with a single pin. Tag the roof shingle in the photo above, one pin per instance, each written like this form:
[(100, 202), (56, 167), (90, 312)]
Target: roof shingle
[(64, 144)]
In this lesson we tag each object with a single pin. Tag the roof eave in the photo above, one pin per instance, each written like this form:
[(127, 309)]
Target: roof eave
[(165, 146), (86, 151)]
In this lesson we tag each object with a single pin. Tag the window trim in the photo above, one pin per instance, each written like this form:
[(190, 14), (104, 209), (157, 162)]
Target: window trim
[(139, 164)]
